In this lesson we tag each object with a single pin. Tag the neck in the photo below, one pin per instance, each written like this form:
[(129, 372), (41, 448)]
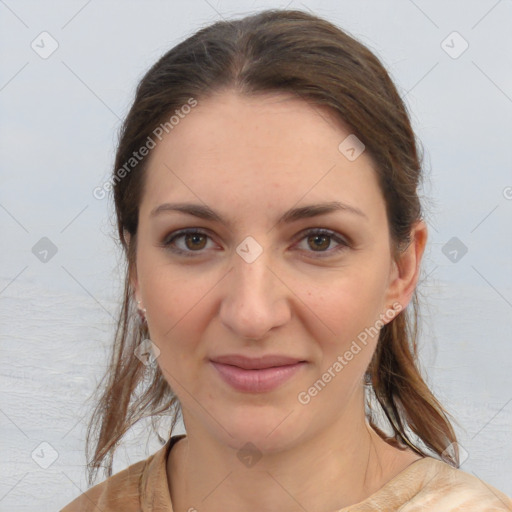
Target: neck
[(332, 469)]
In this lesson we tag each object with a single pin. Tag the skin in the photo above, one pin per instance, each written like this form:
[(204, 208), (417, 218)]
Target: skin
[(250, 160)]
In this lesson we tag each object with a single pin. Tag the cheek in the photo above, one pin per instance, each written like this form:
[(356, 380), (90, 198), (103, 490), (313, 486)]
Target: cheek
[(351, 306), (168, 291), (351, 310), (352, 301), (178, 312)]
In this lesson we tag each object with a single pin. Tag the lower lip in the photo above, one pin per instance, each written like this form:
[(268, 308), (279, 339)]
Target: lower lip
[(256, 381)]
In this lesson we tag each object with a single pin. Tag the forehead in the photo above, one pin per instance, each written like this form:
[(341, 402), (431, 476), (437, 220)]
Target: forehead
[(231, 126), (259, 149)]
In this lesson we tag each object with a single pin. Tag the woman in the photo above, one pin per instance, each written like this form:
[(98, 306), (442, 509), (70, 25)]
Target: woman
[(265, 187)]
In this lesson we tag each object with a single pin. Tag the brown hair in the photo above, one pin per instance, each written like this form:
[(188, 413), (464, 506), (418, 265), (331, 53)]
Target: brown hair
[(293, 52)]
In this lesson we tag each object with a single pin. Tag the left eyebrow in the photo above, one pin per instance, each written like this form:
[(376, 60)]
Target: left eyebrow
[(292, 215), (315, 210)]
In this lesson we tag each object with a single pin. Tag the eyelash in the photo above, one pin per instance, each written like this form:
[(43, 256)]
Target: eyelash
[(167, 242)]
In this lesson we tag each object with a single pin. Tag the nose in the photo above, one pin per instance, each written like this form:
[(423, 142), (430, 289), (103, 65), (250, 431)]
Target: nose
[(255, 298)]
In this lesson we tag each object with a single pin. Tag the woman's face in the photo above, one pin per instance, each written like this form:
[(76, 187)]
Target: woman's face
[(262, 281)]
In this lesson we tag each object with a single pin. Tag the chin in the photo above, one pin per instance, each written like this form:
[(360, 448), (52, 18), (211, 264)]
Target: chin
[(268, 431)]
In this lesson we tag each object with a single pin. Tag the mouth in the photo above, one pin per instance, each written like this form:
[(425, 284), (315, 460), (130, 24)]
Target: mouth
[(257, 363), (256, 375)]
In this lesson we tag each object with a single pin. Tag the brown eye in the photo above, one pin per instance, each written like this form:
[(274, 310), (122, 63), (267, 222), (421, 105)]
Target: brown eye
[(195, 240), (187, 242), (321, 242)]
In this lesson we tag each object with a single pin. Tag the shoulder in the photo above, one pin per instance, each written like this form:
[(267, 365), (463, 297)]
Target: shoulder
[(431, 485), (120, 490), (144, 481), (444, 487)]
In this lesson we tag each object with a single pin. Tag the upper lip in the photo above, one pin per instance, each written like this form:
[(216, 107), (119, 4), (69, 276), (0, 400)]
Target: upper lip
[(256, 363)]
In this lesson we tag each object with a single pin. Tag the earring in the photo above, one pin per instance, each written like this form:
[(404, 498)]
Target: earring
[(141, 311)]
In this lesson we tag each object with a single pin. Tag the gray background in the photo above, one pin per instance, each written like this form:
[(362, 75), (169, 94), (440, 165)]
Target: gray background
[(59, 122)]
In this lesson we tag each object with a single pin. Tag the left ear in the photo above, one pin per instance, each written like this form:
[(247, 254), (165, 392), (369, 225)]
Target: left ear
[(406, 267)]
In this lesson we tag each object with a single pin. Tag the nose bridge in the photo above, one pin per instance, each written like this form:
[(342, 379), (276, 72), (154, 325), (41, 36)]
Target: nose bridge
[(251, 276), (254, 301)]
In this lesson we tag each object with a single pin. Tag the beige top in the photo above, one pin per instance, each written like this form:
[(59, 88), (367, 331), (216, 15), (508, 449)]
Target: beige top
[(427, 484)]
